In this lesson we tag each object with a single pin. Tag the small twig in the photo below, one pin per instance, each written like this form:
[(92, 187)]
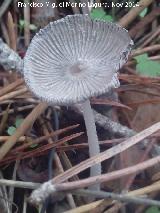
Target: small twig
[(155, 47), (142, 39), (101, 178), (9, 203), (44, 150), (131, 178), (42, 138), (106, 123), (114, 127), (29, 185), (91, 207), (18, 109), (25, 204), (9, 59), (39, 195), (4, 202), (155, 58), (4, 120), (4, 31), (108, 153), (155, 34), (97, 159), (27, 23), (5, 138), (4, 7), (108, 102), (11, 32), (74, 8), (57, 160), (27, 123), (52, 145), (19, 184), (13, 94), (145, 21), (11, 189), (11, 87), (149, 101), (120, 197), (132, 14)]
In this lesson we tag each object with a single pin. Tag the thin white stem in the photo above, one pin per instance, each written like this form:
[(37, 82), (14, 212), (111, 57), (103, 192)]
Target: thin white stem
[(94, 148)]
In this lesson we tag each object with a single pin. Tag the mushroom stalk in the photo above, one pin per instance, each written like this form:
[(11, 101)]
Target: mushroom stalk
[(94, 148)]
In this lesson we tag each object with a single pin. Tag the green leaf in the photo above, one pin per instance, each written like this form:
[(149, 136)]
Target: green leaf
[(153, 209), (33, 145), (11, 130), (107, 18), (99, 13), (18, 122), (21, 23), (32, 27), (147, 67), (144, 12)]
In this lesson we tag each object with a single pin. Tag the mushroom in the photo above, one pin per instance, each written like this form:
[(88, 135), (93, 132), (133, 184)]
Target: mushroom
[(73, 59)]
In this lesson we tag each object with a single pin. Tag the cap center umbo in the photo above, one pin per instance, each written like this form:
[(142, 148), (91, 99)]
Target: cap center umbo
[(77, 69)]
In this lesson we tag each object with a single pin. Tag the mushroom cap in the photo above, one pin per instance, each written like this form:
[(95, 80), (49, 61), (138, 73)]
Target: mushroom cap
[(75, 58)]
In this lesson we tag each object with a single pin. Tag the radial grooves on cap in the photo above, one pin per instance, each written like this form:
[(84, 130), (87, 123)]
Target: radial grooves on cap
[(96, 49)]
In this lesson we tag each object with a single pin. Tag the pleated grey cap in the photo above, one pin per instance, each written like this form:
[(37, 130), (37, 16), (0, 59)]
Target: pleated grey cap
[(75, 58)]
